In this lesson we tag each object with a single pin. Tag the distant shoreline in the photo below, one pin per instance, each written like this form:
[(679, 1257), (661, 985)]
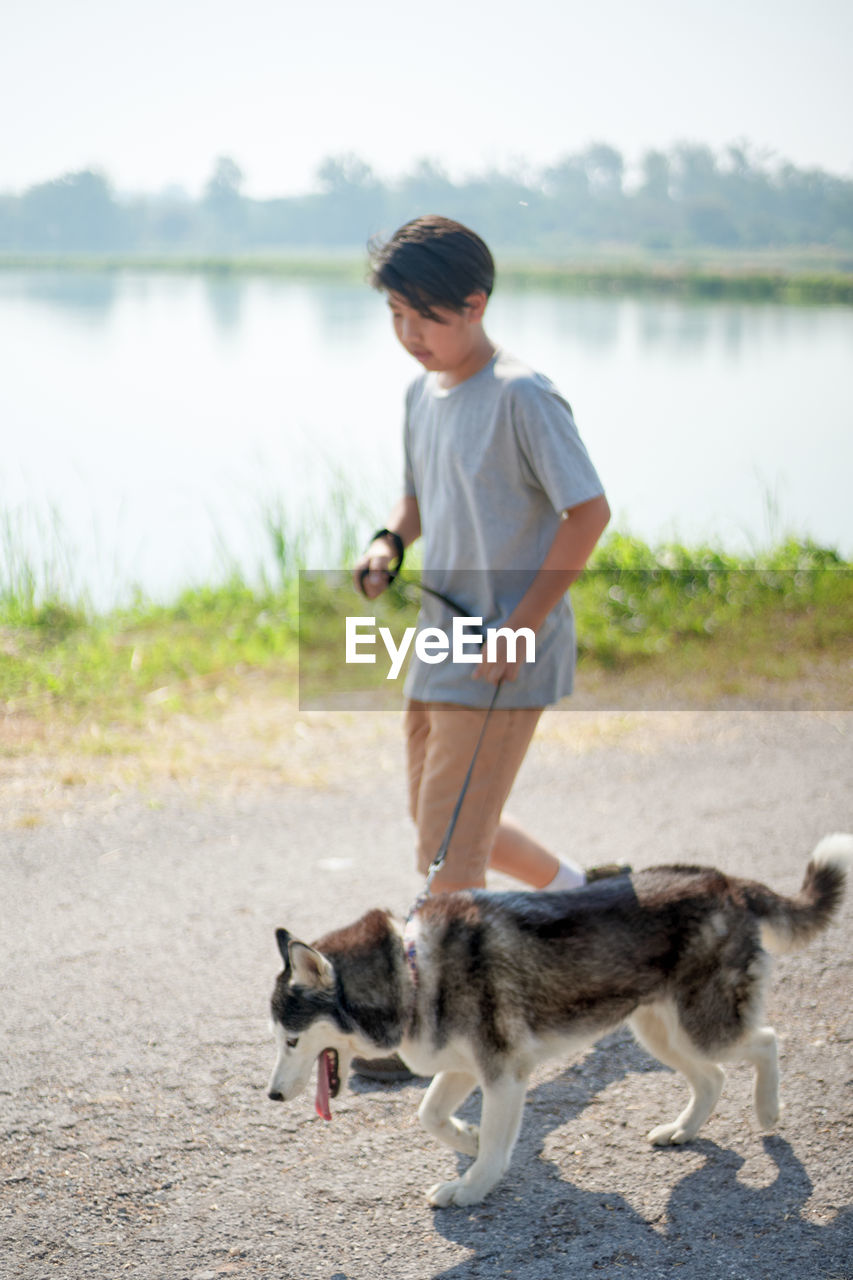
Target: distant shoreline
[(799, 279)]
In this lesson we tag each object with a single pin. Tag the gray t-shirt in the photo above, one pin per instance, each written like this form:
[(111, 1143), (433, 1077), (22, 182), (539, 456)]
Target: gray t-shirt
[(493, 462)]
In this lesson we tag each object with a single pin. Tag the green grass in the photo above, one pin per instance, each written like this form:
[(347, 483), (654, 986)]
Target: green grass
[(638, 602), (60, 657), (680, 614), (146, 659), (741, 283)]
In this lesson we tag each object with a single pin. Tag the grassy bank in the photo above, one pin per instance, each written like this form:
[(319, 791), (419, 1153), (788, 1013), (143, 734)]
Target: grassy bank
[(702, 625), (735, 283), (801, 279), (148, 659)]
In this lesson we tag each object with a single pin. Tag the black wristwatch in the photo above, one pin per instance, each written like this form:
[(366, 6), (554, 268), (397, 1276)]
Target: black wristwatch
[(395, 539)]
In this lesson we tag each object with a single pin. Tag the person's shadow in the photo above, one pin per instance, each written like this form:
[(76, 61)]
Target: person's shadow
[(536, 1226)]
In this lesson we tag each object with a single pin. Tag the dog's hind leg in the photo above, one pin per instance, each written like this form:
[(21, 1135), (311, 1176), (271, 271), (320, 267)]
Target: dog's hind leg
[(448, 1090), (503, 1103), (761, 1051), (658, 1030)]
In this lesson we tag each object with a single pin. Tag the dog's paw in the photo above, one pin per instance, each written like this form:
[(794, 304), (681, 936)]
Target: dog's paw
[(768, 1115), (668, 1135), (444, 1194)]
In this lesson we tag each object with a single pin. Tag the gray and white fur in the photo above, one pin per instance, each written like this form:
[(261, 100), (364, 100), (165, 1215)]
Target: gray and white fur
[(501, 982)]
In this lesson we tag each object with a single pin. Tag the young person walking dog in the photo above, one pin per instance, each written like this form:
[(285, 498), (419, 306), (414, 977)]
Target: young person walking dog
[(501, 488)]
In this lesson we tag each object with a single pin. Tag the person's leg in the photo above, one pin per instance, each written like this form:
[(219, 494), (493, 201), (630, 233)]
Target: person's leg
[(440, 742), (441, 739), (517, 854)]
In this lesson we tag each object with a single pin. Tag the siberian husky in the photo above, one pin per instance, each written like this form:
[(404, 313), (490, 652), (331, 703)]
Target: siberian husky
[(480, 987)]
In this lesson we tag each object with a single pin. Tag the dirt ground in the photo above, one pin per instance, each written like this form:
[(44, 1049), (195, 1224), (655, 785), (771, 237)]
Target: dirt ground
[(139, 900)]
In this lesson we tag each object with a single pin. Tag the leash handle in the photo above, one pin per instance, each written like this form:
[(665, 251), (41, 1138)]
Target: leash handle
[(393, 571), (393, 574)]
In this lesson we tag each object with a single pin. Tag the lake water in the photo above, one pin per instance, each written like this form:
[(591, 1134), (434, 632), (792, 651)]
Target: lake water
[(147, 420)]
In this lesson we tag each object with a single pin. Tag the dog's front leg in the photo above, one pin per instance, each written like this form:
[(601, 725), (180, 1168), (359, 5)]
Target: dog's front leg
[(503, 1103), (448, 1090)]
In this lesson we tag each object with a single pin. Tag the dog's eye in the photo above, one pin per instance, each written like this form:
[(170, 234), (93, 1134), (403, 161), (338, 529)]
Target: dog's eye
[(291, 1044)]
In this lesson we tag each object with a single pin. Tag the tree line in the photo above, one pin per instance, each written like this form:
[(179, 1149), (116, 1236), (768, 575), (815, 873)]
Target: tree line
[(685, 198)]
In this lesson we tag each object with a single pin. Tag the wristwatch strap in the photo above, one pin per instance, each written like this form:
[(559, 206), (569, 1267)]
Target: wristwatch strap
[(395, 540)]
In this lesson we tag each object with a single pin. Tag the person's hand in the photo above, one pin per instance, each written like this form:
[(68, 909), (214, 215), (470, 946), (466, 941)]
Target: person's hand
[(371, 574), (501, 668)]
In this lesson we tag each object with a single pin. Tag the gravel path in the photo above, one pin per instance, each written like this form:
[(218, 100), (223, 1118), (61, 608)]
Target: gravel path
[(137, 961)]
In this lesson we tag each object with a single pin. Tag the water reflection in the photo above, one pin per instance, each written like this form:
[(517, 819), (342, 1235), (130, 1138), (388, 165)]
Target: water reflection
[(338, 312), (225, 298), (83, 294), (183, 402)]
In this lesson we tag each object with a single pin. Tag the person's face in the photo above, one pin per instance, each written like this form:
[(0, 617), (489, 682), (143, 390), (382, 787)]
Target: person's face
[(445, 344)]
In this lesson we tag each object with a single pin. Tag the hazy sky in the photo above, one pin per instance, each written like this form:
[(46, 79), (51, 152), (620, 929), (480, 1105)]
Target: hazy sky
[(152, 92)]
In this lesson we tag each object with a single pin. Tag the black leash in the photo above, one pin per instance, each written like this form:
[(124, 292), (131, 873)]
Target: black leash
[(438, 861), (393, 573)]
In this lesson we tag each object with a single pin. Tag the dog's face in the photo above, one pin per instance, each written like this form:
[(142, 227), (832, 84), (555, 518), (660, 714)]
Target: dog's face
[(305, 1027)]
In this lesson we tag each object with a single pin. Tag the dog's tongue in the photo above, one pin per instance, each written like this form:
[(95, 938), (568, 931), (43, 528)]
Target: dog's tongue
[(324, 1071)]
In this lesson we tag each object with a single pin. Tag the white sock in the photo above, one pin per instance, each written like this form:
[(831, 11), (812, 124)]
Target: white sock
[(569, 876)]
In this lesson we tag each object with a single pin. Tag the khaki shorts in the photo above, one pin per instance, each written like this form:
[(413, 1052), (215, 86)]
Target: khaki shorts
[(440, 742)]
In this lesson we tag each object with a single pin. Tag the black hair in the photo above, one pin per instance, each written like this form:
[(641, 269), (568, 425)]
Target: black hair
[(432, 262)]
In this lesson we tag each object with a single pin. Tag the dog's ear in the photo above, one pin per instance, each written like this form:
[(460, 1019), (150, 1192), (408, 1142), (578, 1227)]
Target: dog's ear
[(310, 968), (282, 937)]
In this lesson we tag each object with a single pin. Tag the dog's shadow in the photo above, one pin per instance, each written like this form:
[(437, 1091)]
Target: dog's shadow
[(559, 1100), (536, 1226)]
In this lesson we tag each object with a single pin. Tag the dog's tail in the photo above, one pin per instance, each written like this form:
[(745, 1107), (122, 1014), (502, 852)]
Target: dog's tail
[(789, 923)]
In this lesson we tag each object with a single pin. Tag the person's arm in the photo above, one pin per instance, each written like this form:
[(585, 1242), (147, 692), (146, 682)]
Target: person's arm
[(574, 542), (405, 521)]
